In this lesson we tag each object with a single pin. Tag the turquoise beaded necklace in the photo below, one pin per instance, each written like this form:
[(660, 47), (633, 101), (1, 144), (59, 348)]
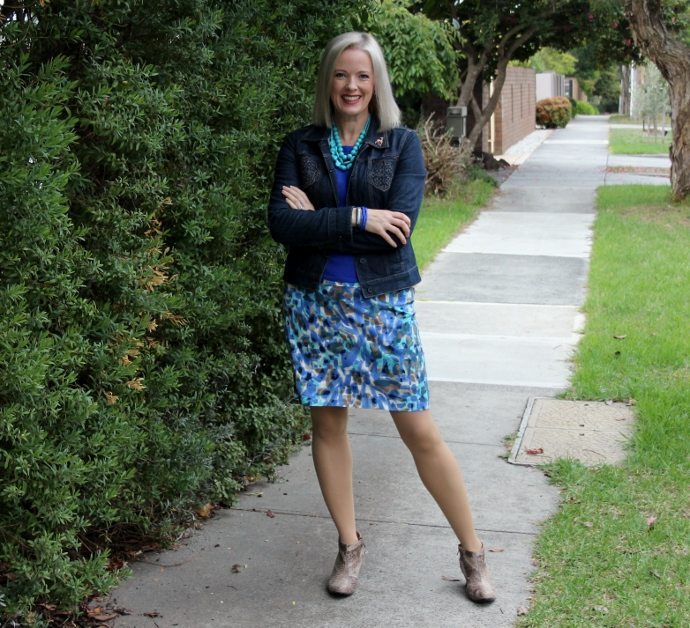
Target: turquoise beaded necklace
[(341, 160)]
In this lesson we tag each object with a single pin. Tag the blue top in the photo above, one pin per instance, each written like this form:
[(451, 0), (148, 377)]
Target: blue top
[(340, 266)]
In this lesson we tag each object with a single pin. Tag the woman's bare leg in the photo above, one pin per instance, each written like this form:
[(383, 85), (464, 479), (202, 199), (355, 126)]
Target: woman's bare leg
[(439, 471), (333, 463)]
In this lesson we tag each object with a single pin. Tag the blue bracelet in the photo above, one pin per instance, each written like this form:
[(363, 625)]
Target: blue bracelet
[(363, 218)]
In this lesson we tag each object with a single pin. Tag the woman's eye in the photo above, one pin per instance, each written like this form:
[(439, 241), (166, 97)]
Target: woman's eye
[(340, 75), (363, 77)]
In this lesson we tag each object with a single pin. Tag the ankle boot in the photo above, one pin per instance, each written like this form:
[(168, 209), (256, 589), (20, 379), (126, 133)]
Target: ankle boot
[(473, 566), (345, 575)]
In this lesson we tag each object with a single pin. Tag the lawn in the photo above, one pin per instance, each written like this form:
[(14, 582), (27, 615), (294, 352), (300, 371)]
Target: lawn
[(442, 218), (636, 142), (617, 118), (618, 551)]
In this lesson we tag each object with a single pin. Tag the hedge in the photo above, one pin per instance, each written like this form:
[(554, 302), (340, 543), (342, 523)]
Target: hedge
[(141, 354), (583, 108), (554, 113)]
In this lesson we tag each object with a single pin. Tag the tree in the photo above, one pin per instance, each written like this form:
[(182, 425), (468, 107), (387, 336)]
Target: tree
[(661, 31), (419, 52), (490, 35), (142, 360), (598, 74), (654, 99), (548, 59)]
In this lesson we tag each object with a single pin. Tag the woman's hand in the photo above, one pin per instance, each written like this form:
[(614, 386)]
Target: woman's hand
[(296, 199), (392, 226)]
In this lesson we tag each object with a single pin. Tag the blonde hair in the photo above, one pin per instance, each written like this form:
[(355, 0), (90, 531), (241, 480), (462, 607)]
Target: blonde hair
[(382, 105)]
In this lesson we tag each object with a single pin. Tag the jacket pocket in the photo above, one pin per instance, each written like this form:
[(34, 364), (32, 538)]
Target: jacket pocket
[(381, 172), (309, 170)]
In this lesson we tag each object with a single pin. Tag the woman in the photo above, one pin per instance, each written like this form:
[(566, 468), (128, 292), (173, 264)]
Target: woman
[(345, 200)]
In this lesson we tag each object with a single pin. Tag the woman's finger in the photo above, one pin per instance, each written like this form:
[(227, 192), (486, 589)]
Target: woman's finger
[(399, 234), (389, 239), (296, 198), (404, 226)]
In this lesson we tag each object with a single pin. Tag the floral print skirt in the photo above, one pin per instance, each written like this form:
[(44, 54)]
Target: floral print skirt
[(348, 350)]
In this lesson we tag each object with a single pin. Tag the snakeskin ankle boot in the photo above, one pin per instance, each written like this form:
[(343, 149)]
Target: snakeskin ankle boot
[(473, 566), (345, 575)]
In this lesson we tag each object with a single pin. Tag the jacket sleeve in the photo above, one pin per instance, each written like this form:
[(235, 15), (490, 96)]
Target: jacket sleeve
[(326, 227), (405, 195), (330, 228)]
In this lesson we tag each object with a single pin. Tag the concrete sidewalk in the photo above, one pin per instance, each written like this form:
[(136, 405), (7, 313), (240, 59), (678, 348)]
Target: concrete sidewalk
[(499, 314), (637, 169)]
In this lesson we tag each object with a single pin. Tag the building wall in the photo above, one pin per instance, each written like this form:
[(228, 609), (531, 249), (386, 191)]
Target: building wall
[(550, 84), (514, 117), (573, 89)]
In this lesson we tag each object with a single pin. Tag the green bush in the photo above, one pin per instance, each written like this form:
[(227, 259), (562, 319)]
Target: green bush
[(554, 113), (141, 353), (583, 108)]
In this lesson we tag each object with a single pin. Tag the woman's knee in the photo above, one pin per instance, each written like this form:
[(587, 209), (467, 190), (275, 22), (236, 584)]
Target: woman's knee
[(329, 423), (424, 442), (419, 433)]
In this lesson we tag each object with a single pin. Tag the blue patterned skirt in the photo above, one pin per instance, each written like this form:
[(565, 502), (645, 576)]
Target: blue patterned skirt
[(348, 350)]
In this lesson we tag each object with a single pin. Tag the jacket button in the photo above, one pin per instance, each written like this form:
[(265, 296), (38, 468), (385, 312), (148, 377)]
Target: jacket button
[(362, 260)]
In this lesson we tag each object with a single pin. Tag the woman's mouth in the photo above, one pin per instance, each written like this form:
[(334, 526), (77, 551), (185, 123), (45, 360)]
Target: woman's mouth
[(351, 100)]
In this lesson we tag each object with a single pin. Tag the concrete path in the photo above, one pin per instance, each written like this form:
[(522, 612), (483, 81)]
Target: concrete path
[(499, 316), (637, 169)]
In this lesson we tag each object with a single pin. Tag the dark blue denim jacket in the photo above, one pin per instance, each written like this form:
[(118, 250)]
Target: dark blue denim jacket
[(388, 173)]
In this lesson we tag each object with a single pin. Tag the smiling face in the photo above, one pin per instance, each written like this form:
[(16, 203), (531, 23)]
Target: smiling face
[(352, 86)]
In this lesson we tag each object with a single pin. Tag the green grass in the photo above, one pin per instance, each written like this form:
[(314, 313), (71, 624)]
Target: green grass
[(636, 142), (602, 561), (442, 217), (617, 118)]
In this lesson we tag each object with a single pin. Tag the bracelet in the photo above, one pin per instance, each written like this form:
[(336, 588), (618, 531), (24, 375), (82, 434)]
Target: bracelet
[(362, 222)]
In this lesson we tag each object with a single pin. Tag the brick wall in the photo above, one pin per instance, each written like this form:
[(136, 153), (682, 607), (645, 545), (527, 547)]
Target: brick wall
[(515, 113)]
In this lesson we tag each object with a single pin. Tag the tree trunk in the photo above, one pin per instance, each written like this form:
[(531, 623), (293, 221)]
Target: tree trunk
[(472, 75), (505, 50), (624, 103), (482, 116), (471, 85), (680, 147), (672, 57)]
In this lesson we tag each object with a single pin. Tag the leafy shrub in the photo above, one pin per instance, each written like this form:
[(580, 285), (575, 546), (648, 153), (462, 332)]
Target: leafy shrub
[(419, 51), (444, 161), (141, 350), (583, 108), (554, 113)]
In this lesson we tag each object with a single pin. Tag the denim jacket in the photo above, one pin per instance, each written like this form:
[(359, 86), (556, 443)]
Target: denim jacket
[(388, 173)]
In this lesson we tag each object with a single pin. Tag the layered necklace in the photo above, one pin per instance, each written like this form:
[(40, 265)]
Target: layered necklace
[(341, 160)]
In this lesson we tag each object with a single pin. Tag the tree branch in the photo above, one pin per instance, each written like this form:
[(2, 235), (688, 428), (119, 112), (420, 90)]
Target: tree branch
[(655, 40)]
